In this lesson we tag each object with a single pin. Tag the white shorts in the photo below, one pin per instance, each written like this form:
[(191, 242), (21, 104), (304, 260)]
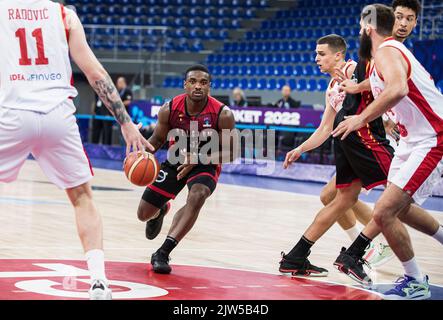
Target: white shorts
[(417, 168), (52, 138)]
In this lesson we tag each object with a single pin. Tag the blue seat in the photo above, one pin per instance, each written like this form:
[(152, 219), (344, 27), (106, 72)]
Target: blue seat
[(225, 70), (322, 85), (279, 71), (307, 58), (272, 84), (301, 85), (302, 46), (288, 70), (262, 84), (308, 70), (312, 85), (233, 83), (234, 71), (252, 71), (216, 83), (280, 83), (243, 83), (277, 58), (243, 70), (261, 70), (298, 70), (269, 70), (296, 58), (292, 83), (252, 84), (224, 84)]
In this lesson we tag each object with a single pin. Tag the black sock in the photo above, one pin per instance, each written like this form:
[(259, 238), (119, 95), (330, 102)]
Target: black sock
[(301, 249), (169, 245), (359, 245)]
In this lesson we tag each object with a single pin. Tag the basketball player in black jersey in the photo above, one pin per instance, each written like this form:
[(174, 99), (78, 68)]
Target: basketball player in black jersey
[(362, 160), (201, 179)]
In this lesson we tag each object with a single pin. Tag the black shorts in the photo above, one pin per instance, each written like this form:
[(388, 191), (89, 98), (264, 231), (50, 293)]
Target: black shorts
[(167, 187), (363, 155)]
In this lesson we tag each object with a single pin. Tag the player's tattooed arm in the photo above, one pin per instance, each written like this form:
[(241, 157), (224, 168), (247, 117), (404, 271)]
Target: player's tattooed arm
[(160, 135), (107, 92)]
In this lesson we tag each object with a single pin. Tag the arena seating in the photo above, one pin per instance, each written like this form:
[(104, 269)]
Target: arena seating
[(279, 52)]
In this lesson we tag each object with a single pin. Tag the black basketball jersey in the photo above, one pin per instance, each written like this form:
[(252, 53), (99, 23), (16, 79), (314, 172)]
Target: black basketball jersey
[(354, 104)]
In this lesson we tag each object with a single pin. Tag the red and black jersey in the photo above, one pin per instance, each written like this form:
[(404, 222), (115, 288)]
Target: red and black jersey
[(179, 117), (354, 104)]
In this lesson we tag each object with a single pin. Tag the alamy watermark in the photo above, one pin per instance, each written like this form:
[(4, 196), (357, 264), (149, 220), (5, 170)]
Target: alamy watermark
[(209, 146)]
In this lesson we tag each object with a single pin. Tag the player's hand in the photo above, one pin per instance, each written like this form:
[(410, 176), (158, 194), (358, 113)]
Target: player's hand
[(350, 124), (185, 168), (391, 129), (340, 76), (349, 86), (291, 157), (134, 139)]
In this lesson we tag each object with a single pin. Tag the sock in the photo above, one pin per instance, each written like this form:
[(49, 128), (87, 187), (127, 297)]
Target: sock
[(353, 232), (439, 235), (413, 270), (96, 264), (359, 245), (169, 245), (301, 249)]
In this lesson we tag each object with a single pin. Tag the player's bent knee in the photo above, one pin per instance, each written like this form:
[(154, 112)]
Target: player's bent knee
[(198, 195), (327, 195), (146, 210)]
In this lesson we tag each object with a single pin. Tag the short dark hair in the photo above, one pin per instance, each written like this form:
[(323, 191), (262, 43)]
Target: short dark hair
[(414, 5), (384, 15), (335, 42), (197, 67)]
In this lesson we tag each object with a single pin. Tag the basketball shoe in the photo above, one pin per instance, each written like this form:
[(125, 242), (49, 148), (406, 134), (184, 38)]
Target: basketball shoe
[(300, 266), (160, 262), (154, 226), (408, 288), (99, 291), (352, 266), (378, 254)]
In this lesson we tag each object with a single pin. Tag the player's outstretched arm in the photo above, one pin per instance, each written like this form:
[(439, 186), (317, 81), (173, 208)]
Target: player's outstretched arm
[(320, 135), (102, 83)]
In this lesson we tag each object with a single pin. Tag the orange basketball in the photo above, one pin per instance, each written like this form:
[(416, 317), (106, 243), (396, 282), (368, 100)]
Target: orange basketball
[(141, 168)]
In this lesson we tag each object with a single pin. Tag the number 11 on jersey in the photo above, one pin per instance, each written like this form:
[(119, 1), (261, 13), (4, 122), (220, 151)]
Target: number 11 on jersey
[(38, 35)]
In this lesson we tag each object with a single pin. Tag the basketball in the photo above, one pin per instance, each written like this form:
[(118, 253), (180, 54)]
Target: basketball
[(141, 168)]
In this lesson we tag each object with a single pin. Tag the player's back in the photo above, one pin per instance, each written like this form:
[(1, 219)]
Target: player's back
[(35, 69), (420, 113)]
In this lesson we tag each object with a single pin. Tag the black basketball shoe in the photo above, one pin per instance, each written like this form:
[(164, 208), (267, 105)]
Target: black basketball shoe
[(352, 266), (154, 226), (300, 266), (160, 262)]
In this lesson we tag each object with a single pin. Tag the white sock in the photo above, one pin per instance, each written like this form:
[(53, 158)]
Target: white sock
[(439, 235), (412, 269), (353, 232), (96, 264)]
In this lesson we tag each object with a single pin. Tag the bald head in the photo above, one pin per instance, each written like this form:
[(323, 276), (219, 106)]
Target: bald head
[(121, 83), (286, 91)]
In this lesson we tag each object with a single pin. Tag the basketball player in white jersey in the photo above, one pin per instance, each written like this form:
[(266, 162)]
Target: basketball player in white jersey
[(406, 91), (37, 112), (331, 52)]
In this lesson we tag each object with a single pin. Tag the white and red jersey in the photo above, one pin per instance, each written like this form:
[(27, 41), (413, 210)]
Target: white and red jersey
[(333, 95), (35, 69), (419, 115)]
